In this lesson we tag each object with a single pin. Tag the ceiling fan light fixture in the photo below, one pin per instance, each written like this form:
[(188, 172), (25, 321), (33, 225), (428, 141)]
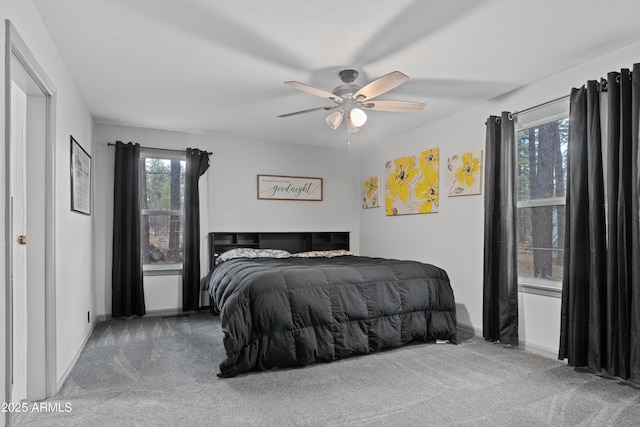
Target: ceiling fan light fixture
[(357, 117), (334, 119)]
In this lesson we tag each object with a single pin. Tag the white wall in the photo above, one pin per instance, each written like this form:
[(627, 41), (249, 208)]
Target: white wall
[(231, 194), (453, 238)]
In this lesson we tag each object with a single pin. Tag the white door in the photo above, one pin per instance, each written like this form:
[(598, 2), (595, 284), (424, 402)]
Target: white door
[(18, 218)]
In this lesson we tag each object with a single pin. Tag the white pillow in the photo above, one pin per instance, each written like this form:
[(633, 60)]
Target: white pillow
[(252, 253), (325, 254)]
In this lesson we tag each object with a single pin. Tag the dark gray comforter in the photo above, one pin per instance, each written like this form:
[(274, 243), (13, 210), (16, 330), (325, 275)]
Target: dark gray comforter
[(298, 311)]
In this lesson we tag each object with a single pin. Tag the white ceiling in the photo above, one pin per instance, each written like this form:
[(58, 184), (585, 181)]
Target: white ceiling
[(218, 66)]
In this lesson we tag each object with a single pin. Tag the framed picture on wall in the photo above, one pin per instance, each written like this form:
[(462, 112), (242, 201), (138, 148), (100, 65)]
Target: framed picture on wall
[(413, 183), (465, 174), (371, 193), (277, 187), (80, 179)]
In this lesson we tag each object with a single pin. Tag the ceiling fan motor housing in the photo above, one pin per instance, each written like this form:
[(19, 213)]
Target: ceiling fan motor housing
[(348, 76), (346, 91)]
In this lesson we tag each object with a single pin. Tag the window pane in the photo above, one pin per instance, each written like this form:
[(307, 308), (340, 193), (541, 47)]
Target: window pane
[(542, 160), (162, 189), (162, 183), (541, 242), (161, 239)]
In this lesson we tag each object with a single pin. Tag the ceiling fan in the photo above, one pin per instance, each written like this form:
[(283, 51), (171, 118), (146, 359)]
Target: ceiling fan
[(351, 100)]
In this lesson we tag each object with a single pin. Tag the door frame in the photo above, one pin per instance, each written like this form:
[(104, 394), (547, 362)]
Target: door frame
[(16, 49)]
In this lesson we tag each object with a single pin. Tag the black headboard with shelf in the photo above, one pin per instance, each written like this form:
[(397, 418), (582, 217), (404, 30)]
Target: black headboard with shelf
[(293, 242)]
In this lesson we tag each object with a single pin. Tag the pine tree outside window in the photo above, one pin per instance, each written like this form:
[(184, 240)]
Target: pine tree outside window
[(542, 137), (162, 208)]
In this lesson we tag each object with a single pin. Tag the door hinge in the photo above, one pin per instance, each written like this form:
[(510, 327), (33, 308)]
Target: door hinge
[(22, 240)]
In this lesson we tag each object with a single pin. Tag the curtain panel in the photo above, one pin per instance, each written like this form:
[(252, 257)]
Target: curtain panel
[(197, 165), (600, 317), (127, 297), (500, 279)]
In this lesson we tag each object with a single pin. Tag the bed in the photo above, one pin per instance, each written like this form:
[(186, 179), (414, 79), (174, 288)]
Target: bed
[(280, 309)]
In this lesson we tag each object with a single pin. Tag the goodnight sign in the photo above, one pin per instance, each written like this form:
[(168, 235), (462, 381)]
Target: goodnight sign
[(272, 187)]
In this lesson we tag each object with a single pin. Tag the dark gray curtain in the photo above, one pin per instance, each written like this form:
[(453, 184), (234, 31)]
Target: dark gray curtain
[(601, 284), (500, 281), (126, 270), (197, 164)]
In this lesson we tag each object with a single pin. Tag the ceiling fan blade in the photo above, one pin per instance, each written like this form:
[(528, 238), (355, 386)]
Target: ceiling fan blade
[(309, 110), (381, 85), (399, 106), (314, 91)]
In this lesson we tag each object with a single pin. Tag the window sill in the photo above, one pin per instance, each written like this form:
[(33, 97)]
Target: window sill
[(162, 270), (548, 288)]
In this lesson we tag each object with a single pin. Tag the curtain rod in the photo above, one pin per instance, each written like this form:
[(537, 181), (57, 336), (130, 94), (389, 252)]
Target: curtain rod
[(162, 149), (544, 104), (602, 83)]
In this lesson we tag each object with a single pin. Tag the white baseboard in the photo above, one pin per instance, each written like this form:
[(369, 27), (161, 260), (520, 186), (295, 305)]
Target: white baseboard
[(67, 371), (547, 352), (470, 329), (531, 348), (153, 313)]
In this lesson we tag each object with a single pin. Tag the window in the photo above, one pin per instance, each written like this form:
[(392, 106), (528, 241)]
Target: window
[(161, 205), (542, 171)]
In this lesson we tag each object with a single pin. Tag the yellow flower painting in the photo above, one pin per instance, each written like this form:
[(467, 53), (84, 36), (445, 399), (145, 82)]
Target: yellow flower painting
[(465, 174), (412, 184), (390, 210), (427, 191), (401, 178), (371, 193)]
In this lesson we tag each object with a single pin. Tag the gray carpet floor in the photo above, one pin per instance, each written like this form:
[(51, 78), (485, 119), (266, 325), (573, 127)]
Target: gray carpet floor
[(162, 372)]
